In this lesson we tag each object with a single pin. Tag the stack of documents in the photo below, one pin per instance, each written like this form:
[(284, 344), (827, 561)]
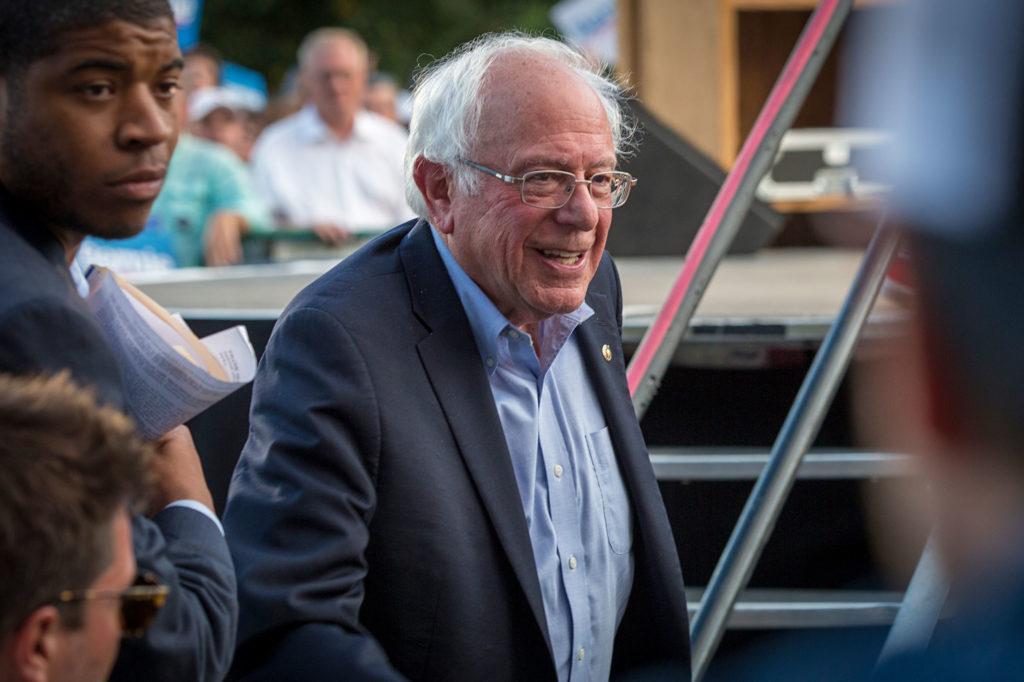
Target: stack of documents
[(170, 375)]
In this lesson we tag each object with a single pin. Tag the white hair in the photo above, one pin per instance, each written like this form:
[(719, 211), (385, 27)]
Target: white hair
[(446, 104)]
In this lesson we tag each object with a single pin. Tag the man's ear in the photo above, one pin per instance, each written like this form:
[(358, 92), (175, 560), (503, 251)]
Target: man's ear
[(35, 644), (435, 187)]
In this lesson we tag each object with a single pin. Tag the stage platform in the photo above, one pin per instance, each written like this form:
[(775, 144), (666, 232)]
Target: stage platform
[(756, 305)]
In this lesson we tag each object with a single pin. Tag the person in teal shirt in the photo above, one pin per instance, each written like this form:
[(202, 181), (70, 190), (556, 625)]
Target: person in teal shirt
[(206, 206)]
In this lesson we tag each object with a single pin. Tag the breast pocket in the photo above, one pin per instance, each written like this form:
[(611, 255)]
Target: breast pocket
[(614, 500)]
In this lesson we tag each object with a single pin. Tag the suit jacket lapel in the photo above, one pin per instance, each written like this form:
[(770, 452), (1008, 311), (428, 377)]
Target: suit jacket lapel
[(452, 361), (609, 381)]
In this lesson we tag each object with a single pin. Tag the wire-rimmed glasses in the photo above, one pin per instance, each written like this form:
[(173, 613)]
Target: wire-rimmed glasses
[(554, 188)]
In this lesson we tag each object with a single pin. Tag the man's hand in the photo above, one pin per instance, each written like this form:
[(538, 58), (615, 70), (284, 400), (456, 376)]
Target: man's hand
[(179, 474), (223, 238), (335, 235)]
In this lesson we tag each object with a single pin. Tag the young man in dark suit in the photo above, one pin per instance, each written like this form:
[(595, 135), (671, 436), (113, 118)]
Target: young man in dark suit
[(445, 478), (87, 127)]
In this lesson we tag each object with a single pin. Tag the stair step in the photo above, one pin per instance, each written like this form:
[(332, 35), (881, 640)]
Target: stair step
[(771, 609), (731, 464)]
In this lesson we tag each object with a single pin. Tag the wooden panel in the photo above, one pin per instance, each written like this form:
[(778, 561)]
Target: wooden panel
[(628, 66), (706, 67), (729, 97), (677, 53), (766, 40)]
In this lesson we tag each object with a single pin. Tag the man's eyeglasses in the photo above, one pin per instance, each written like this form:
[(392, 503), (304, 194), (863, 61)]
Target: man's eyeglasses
[(139, 603), (554, 188)]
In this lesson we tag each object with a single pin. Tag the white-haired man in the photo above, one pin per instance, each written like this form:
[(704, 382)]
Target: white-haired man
[(445, 478), (333, 166)]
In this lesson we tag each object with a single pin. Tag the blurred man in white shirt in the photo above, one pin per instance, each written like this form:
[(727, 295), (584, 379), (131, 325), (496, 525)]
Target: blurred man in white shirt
[(333, 166)]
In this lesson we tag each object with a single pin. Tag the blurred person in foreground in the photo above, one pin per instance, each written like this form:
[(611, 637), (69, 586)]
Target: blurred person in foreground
[(87, 128), (955, 389), (947, 76), (445, 477), (72, 473), (333, 166)]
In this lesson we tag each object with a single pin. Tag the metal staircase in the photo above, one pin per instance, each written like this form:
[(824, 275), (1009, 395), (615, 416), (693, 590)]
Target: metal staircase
[(724, 603)]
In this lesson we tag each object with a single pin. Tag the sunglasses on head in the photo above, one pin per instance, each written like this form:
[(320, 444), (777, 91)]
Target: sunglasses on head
[(139, 603)]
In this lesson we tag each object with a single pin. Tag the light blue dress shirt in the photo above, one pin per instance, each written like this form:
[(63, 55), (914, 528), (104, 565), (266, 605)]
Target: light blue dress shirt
[(575, 502)]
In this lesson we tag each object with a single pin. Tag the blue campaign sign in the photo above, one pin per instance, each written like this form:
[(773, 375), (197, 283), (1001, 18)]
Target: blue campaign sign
[(187, 14)]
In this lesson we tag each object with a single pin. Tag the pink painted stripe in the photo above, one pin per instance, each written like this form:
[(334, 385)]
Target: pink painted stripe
[(655, 336)]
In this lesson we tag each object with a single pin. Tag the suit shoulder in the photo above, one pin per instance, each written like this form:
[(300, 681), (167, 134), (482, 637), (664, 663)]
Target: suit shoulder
[(367, 281), (26, 275)]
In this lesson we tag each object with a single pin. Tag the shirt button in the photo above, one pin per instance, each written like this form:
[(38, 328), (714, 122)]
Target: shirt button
[(572, 565), (558, 471), (580, 654), (490, 362)]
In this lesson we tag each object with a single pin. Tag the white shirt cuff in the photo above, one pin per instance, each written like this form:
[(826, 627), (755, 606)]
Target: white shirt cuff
[(199, 507)]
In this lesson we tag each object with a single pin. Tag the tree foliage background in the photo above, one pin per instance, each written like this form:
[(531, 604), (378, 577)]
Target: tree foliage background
[(264, 34)]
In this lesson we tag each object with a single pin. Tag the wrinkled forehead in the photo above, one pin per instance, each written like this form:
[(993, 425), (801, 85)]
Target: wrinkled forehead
[(520, 82), (525, 96), (114, 45), (117, 34)]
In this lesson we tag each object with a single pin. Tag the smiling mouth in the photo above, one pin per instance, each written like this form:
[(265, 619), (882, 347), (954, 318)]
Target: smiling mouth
[(563, 257)]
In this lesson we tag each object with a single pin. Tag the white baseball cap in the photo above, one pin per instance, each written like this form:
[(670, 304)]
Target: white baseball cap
[(207, 100)]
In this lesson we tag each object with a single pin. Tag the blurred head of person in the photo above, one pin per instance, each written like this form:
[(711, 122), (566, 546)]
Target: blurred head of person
[(333, 69), (222, 115), (382, 96), (953, 391), (72, 472), (509, 105), (203, 64), (87, 119)]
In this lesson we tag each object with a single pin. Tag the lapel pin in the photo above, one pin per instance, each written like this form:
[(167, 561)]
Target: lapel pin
[(606, 351)]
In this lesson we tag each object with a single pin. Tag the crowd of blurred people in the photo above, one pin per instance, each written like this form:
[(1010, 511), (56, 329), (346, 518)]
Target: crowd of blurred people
[(324, 156)]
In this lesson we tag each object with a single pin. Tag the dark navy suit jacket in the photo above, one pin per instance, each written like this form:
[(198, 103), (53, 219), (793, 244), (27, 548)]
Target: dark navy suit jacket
[(45, 327), (374, 517)]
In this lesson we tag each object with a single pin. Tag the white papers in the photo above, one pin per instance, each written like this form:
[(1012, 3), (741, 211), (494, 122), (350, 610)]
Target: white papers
[(169, 375)]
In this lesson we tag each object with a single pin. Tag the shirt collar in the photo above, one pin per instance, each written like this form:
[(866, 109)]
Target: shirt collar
[(314, 129), (487, 322)]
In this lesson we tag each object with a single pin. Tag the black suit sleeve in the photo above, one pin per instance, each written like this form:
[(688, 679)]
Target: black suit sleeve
[(46, 335), (300, 504), (193, 636)]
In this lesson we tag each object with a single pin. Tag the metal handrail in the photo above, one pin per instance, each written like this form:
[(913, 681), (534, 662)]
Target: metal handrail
[(761, 609), (684, 464), (802, 424)]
